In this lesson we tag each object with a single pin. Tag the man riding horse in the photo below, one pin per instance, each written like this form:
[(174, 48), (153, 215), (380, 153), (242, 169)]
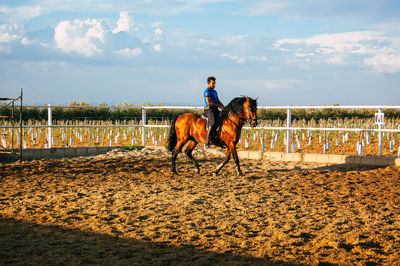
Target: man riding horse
[(212, 103), (190, 129)]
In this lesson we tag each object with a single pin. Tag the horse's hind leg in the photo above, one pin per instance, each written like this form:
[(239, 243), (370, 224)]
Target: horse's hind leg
[(175, 153), (227, 157), (192, 144)]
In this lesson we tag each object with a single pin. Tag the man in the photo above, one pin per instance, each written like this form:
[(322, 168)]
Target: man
[(212, 103)]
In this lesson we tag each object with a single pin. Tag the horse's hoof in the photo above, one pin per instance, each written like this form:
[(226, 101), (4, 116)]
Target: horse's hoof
[(239, 173), (215, 173)]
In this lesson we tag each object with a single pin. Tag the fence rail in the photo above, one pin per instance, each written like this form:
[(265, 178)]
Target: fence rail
[(379, 120)]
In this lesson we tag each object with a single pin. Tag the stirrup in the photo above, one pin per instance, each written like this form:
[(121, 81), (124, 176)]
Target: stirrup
[(208, 141)]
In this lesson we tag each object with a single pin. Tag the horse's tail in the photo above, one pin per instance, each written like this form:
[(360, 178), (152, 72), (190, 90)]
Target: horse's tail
[(172, 139)]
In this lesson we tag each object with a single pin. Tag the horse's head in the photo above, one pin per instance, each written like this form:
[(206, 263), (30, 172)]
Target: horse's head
[(250, 110)]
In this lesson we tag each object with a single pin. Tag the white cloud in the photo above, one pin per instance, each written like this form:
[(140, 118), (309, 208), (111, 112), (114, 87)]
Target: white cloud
[(81, 36), (26, 41), (371, 48), (236, 38), (385, 63), (299, 54), (10, 32), (261, 58), (335, 60), (158, 32), (266, 8), (259, 85), (129, 52), (43, 44), (4, 49), (125, 23), (18, 14), (340, 42), (280, 84), (157, 24), (157, 48), (209, 42), (237, 59), (243, 59)]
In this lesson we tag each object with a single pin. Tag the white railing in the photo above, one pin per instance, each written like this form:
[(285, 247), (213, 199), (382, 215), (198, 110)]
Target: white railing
[(379, 120)]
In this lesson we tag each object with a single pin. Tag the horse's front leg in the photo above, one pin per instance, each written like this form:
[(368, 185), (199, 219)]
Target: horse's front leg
[(227, 157), (189, 150), (236, 159)]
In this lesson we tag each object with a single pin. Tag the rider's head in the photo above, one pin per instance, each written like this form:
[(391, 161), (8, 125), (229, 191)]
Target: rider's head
[(211, 82)]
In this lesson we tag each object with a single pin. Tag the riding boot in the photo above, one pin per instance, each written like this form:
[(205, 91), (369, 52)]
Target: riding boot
[(209, 137)]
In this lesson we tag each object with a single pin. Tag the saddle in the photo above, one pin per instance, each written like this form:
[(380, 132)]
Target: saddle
[(217, 130)]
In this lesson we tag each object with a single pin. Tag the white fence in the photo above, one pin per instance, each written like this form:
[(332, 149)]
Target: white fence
[(379, 120)]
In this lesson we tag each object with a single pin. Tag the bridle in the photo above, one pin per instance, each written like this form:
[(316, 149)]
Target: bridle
[(241, 118)]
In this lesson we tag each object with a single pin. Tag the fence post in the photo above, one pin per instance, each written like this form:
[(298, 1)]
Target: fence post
[(12, 129), (288, 131), (380, 137), (20, 128), (144, 126), (49, 123)]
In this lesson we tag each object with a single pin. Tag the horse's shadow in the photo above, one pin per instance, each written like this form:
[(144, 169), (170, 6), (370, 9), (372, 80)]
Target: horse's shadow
[(274, 173), (344, 168)]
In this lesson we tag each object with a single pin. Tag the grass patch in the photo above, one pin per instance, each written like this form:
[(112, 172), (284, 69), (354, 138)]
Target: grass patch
[(134, 147)]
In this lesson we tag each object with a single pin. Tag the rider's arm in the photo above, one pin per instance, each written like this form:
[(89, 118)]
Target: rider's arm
[(220, 104), (211, 104)]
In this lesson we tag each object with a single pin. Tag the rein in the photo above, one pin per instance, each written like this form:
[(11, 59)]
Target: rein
[(232, 120), (240, 118)]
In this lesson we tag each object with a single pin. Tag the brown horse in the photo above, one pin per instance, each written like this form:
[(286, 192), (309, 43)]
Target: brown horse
[(191, 128)]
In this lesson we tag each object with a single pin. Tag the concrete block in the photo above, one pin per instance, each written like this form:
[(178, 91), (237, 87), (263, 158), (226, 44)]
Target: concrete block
[(336, 158), (255, 155), (357, 159), (266, 155), (243, 154), (321, 158), (58, 153), (92, 151), (273, 156), (81, 151), (293, 157), (309, 157), (379, 161), (45, 153), (350, 159), (27, 154)]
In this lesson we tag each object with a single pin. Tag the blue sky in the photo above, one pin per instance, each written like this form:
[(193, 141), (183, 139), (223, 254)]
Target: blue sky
[(284, 52)]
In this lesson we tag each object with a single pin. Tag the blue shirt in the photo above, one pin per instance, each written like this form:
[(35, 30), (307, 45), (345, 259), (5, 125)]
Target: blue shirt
[(212, 94)]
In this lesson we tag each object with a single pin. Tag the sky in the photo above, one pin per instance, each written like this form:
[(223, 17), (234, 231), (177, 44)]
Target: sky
[(284, 52)]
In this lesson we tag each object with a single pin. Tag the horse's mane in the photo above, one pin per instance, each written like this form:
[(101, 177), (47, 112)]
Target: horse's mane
[(236, 106)]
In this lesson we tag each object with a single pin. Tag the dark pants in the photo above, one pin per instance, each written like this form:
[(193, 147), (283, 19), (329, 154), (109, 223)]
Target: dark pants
[(213, 119)]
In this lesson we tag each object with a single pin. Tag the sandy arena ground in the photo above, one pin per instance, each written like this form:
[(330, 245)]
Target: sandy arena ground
[(126, 208)]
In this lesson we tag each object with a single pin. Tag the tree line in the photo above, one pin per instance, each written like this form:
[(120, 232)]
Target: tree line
[(105, 112)]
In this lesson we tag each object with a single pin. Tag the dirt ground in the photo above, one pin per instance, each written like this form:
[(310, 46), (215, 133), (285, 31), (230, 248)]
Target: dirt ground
[(126, 208)]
